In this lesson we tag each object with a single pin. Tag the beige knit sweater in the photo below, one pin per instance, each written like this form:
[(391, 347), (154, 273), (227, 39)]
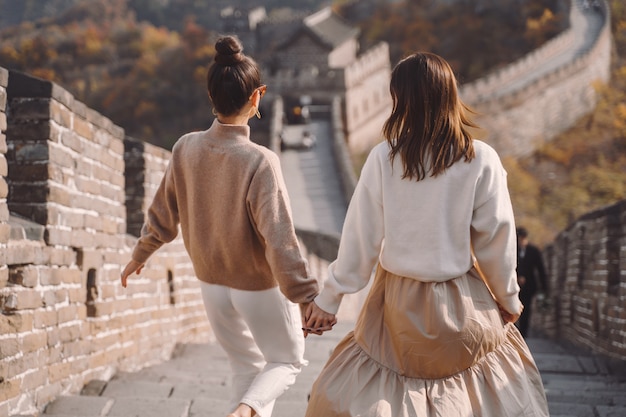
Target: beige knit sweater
[(229, 197)]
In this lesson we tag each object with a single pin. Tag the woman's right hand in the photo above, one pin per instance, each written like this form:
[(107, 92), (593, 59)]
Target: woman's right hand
[(509, 317), (317, 320), (131, 267)]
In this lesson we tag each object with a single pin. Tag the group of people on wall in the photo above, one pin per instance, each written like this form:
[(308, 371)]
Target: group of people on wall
[(431, 214)]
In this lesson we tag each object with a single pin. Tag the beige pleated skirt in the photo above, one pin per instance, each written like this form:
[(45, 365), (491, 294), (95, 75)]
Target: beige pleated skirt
[(424, 349)]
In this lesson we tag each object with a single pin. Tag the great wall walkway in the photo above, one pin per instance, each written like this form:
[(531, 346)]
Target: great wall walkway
[(312, 181), (195, 383), (586, 24)]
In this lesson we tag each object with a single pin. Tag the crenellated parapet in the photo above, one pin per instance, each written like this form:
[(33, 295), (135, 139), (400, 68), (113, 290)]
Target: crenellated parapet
[(587, 301), (369, 63), (73, 180), (544, 93)]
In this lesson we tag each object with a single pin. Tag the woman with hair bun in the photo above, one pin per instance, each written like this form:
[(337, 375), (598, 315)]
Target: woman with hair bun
[(228, 196)]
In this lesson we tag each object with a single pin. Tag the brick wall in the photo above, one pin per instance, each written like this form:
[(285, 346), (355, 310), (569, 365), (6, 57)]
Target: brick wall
[(4, 189), (65, 317), (587, 277), (517, 121)]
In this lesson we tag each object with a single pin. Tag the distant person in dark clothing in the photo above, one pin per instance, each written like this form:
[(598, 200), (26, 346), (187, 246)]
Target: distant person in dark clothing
[(531, 276)]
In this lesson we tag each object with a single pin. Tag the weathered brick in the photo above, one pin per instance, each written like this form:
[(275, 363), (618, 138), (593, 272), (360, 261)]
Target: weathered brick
[(76, 348), (10, 388), (68, 314), (32, 342), (3, 143), (83, 128), (77, 295), (3, 99), (4, 170), (38, 130), (61, 256), (45, 318), (69, 333), (47, 393), (82, 238), (59, 371), (68, 275), (58, 236), (4, 187), (4, 271), (59, 195), (29, 109), (22, 363), (60, 114), (28, 299), (54, 296), (29, 152), (24, 252), (27, 193), (89, 258), (26, 276), (9, 347), (29, 172), (34, 379)]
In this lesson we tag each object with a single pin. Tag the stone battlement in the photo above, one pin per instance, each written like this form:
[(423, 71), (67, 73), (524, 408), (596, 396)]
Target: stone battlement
[(541, 95)]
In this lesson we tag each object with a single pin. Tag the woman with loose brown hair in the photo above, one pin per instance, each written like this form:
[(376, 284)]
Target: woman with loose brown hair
[(435, 336), (229, 198)]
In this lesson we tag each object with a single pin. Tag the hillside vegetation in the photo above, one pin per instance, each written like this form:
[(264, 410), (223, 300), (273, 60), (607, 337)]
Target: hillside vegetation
[(582, 169), (142, 63), (474, 36), (143, 66)]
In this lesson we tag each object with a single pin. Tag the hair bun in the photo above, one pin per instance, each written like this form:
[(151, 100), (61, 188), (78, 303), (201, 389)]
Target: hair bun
[(228, 51)]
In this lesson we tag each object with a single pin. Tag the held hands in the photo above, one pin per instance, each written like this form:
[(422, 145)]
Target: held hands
[(317, 321), (133, 266)]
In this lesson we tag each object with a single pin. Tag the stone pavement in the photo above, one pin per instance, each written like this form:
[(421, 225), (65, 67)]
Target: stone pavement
[(195, 383), (311, 177)]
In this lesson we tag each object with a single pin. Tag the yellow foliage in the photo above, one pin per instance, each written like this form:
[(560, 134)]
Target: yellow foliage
[(537, 24), (155, 39), (45, 73), (145, 108)]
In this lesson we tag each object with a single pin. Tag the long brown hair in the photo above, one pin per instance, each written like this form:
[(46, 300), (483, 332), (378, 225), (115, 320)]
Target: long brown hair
[(428, 126)]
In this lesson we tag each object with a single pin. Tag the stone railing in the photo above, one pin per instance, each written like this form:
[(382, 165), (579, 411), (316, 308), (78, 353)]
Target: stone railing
[(65, 318)]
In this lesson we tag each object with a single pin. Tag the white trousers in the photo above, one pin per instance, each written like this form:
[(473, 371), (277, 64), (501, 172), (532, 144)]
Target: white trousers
[(261, 332)]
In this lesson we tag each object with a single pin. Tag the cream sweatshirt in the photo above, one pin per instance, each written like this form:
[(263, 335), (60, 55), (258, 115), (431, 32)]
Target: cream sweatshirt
[(426, 229), (229, 197)]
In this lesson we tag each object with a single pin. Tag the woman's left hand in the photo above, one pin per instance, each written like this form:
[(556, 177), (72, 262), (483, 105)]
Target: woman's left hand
[(318, 321)]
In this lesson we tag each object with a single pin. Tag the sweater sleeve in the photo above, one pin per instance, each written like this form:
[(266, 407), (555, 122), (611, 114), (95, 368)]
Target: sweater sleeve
[(493, 236), (361, 241), (269, 207), (161, 224)]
